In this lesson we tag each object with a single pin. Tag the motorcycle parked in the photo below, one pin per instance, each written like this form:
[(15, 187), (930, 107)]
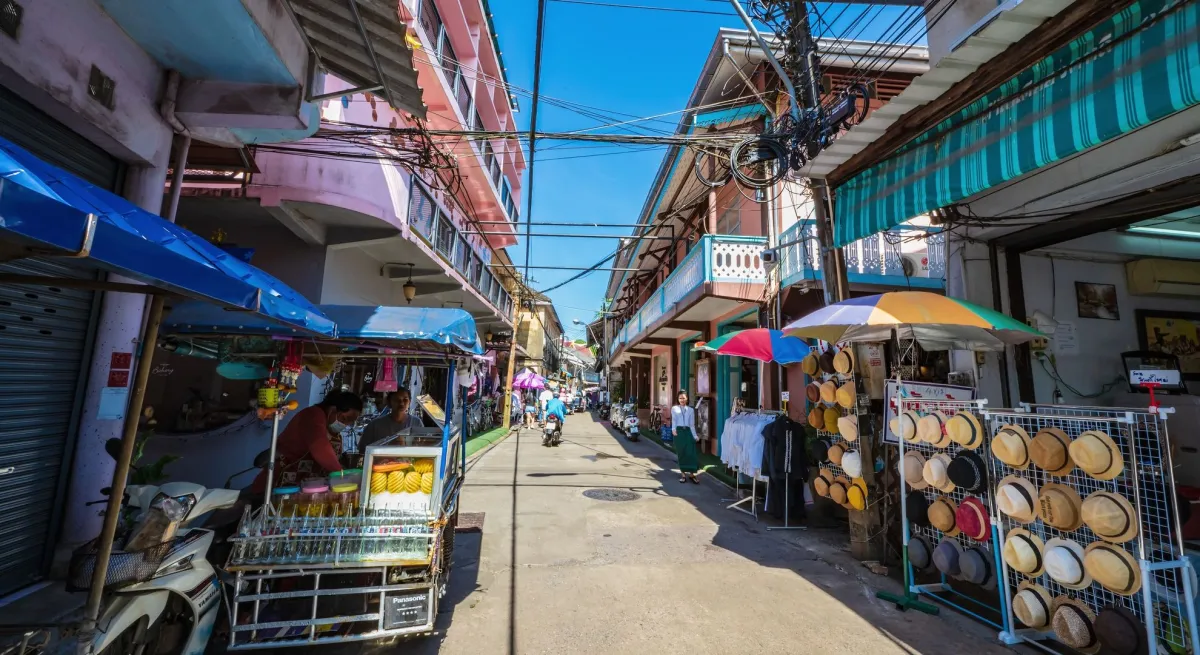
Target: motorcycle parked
[(603, 411), (552, 433), (629, 422)]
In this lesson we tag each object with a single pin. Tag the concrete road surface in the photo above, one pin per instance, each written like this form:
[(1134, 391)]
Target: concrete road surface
[(671, 571)]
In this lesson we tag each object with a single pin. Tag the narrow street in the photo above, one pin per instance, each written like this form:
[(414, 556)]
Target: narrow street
[(671, 571)]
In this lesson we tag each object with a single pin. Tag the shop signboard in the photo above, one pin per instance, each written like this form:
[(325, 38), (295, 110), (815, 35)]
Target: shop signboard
[(919, 390)]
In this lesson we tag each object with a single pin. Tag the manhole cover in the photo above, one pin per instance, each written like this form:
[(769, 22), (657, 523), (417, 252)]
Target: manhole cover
[(470, 522), (615, 495)]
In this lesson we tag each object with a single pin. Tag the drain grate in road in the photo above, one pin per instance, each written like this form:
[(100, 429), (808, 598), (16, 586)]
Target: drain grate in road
[(470, 522), (614, 495)]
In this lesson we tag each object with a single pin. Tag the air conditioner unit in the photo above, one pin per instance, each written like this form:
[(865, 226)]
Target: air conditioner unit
[(915, 265), (1163, 277)]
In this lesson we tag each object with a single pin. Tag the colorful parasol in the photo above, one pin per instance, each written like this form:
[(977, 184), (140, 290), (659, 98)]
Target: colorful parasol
[(527, 379), (936, 322), (761, 344)]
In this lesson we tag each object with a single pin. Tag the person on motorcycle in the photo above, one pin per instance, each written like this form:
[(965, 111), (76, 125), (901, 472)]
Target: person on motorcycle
[(305, 447), (555, 407)]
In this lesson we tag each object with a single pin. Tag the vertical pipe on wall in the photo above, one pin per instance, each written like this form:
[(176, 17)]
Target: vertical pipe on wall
[(998, 305), (1016, 306)]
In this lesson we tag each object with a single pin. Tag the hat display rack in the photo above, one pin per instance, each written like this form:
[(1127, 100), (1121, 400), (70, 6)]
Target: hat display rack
[(837, 371), (1160, 589), (985, 602)]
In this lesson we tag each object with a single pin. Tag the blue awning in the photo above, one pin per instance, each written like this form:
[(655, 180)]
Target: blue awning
[(54, 213)]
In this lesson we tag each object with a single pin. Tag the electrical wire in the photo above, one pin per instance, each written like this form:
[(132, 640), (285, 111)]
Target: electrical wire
[(614, 5)]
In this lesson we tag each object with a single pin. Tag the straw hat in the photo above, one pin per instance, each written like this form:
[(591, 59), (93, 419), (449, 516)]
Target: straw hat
[(816, 418), (1120, 631), (968, 471), (856, 495), (1064, 564), (830, 419), (965, 430), (1059, 506), (972, 518), (822, 481), (809, 364), (916, 508), (930, 429), (829, 392), (836, 452), (812, 391), (942, 516), (848, 427), (1111, 516), (1017, 498), (904, 426), (1113, 567), (1097, 454), (843, 361), (1074, 624), (847, 395), (935, 473), (825, 362), (914, 469), (947, 555), (838, 490), (1049, 450), (1023, 552), (920, 555), (1010, 445), (975, 566), (1032, 605), (852, 464)]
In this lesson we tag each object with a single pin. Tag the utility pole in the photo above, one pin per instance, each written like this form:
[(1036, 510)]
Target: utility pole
[(512, 361)]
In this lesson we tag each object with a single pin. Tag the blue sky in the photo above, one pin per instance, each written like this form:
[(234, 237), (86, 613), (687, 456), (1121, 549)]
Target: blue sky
[(621, 61)]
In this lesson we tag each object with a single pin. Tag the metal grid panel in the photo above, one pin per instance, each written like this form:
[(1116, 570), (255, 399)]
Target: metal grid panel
[(1141, 437)]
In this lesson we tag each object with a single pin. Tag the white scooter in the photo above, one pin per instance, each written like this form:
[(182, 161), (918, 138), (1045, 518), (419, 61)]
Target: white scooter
[(629, 424), (175, 610), (552, 432)]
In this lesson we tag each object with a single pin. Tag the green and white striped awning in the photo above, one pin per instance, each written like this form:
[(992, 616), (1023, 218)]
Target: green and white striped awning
[(1136, 67)]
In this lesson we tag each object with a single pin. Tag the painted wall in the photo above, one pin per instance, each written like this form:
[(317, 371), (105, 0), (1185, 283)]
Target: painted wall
[(352, 278)]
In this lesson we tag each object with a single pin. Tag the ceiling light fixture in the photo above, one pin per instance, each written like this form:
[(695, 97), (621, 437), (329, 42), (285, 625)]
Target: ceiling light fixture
[(410, 289), (1185, 234)]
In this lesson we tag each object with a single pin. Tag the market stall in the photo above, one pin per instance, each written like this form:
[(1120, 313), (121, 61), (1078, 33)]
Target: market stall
[(362, 554)]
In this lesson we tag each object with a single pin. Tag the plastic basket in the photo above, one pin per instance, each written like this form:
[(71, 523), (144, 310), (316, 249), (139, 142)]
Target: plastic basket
[(124, 567)]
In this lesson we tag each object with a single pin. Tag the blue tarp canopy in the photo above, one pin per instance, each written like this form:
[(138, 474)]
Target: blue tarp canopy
[(417, 326), (47, 211)]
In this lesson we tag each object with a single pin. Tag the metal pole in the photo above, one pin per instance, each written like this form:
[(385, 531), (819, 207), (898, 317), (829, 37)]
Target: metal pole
[(271, 461), (762, 43), (180, 167), (512, 361)]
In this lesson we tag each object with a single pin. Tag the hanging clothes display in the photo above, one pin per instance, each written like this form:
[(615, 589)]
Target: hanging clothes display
[(742, 442), (785, 464)]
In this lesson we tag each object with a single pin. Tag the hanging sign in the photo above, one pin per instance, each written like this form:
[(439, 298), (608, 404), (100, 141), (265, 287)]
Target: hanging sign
[(927, 390)]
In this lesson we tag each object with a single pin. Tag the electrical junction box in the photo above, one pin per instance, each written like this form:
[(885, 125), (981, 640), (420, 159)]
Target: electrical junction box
[(1039, 344)]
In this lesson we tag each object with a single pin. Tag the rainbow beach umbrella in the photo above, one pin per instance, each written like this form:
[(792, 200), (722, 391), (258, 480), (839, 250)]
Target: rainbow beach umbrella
[(761, 344), (936, 322)]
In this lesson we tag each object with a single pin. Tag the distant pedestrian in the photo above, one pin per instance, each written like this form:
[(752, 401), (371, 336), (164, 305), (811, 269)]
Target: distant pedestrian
[(530, 411), (683, 431)]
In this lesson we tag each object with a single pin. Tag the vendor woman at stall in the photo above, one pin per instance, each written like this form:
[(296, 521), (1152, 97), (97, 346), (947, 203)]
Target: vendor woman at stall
[(305, 448), (401, 418)]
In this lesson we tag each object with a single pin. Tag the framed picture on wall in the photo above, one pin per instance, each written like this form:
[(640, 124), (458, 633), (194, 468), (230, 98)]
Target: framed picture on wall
[(1175, 333), (703, 385), (1097, 300)]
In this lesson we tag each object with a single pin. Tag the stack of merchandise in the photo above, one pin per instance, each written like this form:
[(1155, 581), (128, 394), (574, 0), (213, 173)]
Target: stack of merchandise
[(834, 413)]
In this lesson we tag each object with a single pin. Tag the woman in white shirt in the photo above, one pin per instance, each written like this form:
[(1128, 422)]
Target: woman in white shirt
[(683, 429)]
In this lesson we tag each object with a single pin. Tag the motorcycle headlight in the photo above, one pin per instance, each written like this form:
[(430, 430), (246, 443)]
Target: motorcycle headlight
[(184, 564), (188, 501)]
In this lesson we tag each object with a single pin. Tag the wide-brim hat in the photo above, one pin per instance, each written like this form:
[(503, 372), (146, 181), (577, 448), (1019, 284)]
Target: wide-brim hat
[(836, 451), (1111, 516), (1011, 445), (852, 464), (856, 495), (914, 469), (1017, 499), (822, 481), (848, 427), (809, 364), (1033, 605), (931, 429), (1113, 567), (1121, 632), (839, 489), (1050, 451), (904, 426), (1064, 564), (935, 473), (812, 391), (916, 508), (829, 392), (947, 555), (816, 418), (831, 419), (825, 362), (975, 566), (971, 517), (1024, 552), (843, 361), (965, 430), (942, 513), (1074, 624), (846, 395), (920, 554), (968, 471), (1097, 455), (1060, 506)]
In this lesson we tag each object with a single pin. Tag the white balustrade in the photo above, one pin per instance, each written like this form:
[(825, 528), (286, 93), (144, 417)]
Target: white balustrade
[(737, 261)]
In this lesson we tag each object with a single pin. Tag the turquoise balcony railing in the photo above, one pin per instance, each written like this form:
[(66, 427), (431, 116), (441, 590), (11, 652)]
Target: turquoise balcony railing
[(905, 256), (716, 258)]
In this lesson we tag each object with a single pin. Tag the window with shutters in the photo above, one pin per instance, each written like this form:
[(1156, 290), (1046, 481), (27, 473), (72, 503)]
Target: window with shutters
[(422, 210)]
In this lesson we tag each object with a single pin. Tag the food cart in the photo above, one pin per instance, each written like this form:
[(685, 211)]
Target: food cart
[(365, 554)]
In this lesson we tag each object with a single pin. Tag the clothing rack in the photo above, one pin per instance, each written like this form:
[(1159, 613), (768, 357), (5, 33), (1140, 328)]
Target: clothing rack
[(738, 499)]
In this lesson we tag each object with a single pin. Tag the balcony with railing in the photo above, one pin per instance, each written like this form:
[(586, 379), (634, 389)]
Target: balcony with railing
[(726, 263), (907, 256)]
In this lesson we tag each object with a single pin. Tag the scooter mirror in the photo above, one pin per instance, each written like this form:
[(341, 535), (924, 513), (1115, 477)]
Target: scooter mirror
[(113, 448), (261, 459)]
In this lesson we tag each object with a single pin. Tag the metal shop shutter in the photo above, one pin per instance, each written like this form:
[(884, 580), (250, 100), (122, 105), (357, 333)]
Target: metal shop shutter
[(53, 142)]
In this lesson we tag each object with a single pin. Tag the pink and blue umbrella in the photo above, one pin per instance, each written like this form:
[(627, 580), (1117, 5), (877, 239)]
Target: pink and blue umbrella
[(760, 344)]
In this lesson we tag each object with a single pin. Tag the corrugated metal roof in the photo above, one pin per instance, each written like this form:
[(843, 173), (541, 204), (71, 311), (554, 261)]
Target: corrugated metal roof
[(1002, 27)]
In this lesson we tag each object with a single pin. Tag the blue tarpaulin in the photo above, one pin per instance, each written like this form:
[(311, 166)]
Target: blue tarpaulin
[(56, 213)]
